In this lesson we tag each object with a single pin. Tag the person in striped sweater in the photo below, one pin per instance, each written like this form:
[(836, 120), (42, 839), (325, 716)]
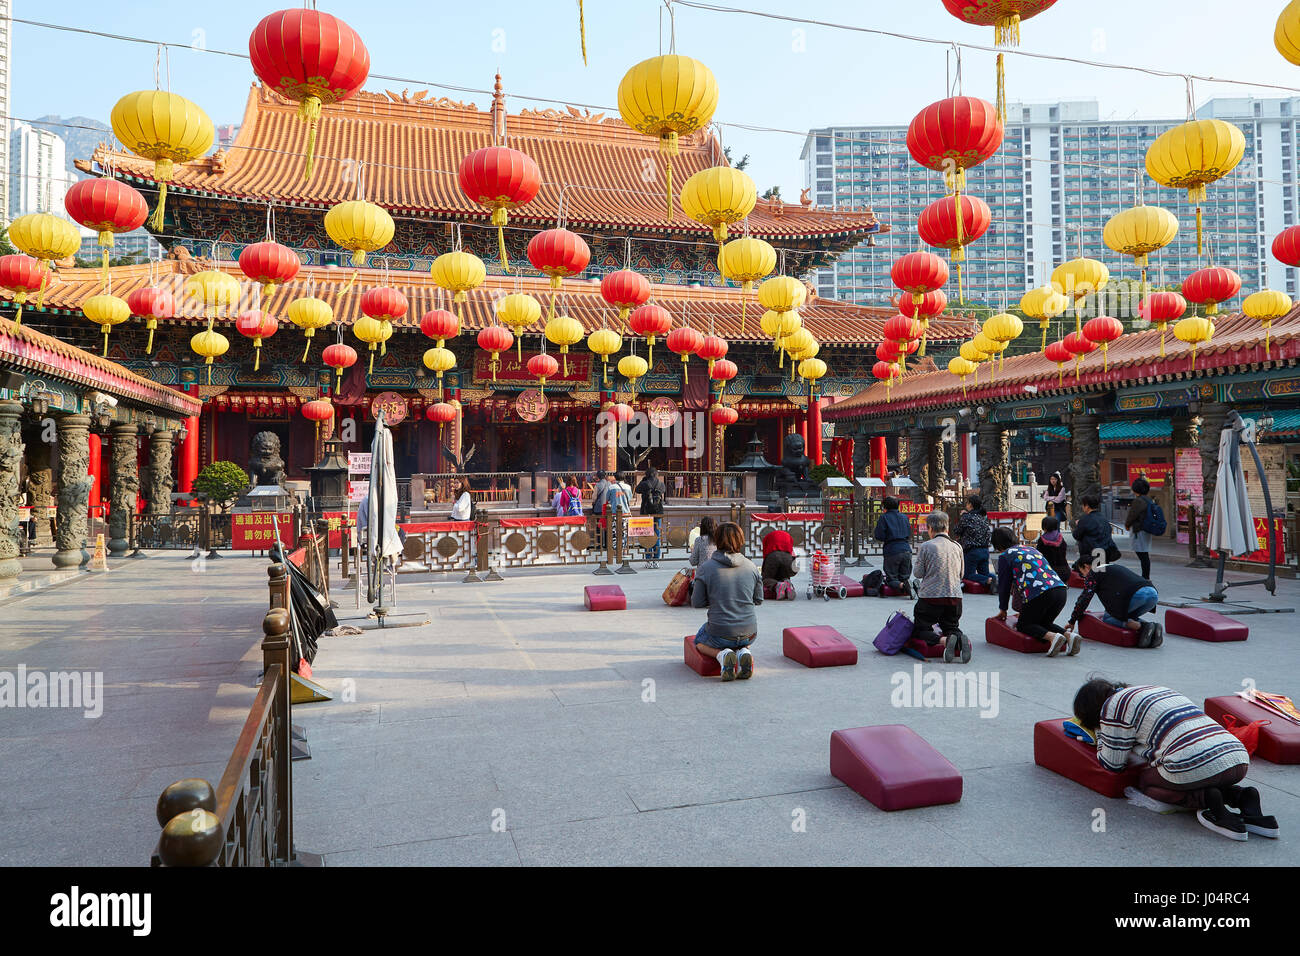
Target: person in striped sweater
[(1191, 761)]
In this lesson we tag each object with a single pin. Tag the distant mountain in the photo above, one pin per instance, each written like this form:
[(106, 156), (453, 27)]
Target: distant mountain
[(81, 142)]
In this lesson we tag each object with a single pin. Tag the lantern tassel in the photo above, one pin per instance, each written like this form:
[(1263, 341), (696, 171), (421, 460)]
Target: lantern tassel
[(306, 350), (1268, 333), (651, 340), (372, 361), (582, 32), (40, 295), (961, 297), (519, 347), (1105, 357), (1198, 230), (19, 299), (351, 280), (686, 373), (1002, 88), (1042, 325), (742, 315), (1163, 326), (309, 111), (103, 266), (668, 176), (151, 325), (257, 360), (105, 352)]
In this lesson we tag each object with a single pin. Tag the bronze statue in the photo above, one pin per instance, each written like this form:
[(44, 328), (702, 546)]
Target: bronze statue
[(264, 463)]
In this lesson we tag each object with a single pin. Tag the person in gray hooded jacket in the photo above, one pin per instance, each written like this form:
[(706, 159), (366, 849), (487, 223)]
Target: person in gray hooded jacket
[(730, 586)]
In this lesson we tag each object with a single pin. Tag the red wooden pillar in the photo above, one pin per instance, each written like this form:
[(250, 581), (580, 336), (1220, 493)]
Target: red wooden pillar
[(815, 430), (187, 468), (96, 472), (879, 457)]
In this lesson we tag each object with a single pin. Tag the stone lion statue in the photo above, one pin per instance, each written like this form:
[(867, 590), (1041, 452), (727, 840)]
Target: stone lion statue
[(264, 462), (793, 457)]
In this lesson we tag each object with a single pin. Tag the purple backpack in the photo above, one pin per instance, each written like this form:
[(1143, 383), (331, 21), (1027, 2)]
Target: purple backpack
[(896, 632)]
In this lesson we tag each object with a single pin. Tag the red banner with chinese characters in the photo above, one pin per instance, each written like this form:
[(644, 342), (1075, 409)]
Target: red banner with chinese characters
[(1260, 554), (514, 372), (339, 521), (1157, 474), (256, 531)]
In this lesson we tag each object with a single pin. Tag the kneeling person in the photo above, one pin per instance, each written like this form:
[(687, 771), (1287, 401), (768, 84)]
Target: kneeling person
[(1042, 593), (939, 566), (894, 531), (730, 586), (1125, 597)]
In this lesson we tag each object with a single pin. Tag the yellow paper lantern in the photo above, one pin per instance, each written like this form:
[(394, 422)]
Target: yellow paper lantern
[(309, 314), (718, 196), (972, 354), (1043, 304), (632, 368), (782, 294), (1192, 156), (604, 342), (667, 97), (1195, 331), (1286, 36), (106, 311), (564, 331), (746, 260), (1004, 328), (374, 333), (810, 370), (1267, 305), (794, 341), (439, 360), (990, 347), (165, 128), (961, 367), (1139, 231), (217, 292), (359, 227), (46, 238), (210, 344), (1077, 279), (458, 272), (518, 311)]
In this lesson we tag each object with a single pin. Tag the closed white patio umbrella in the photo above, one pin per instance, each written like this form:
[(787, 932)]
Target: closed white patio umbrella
[(1232, 523)]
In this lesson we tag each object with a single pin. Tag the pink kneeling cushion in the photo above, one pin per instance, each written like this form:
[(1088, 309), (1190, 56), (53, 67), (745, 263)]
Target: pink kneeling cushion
[(974, 587), (704, 666), (1004, 634), (1061, 753), (1279, 740), (1094, 628), (604, 597), (854, 588), (1077, 580), (818, 646), (1204, 625), (929, 650), (893, 767)]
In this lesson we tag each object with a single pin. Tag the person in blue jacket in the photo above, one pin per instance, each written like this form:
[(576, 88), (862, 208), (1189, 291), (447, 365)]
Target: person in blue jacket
[(895, 532)]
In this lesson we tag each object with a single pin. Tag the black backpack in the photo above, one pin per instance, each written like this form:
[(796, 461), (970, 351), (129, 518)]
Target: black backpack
[(654, 497), (1153, 520), (872, 582)]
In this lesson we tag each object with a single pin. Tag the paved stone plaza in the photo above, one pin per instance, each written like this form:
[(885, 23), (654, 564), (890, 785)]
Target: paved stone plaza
[(513, 730)]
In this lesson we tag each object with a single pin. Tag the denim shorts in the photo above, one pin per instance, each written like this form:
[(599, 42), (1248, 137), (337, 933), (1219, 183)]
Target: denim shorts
[(702, 636)]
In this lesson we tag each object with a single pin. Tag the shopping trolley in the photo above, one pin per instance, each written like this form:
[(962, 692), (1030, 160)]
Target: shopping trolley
[(825, 574)]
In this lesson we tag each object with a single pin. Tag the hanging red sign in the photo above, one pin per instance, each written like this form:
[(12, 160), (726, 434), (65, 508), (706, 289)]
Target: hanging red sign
[(514, 372), (662, 413), (392, 405), (531, 405)]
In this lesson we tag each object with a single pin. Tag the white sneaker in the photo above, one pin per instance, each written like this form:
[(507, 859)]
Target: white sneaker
[(727, 661), (1076, 642), (745, 665), (1057, 645)]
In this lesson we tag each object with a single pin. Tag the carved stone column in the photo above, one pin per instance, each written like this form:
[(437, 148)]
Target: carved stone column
[(994, 448), (124, 485), (1085, 459), (1213, 418), (11, 459), (40, 478), (158, 474), (74, 492), (918, 461), (861, 451), (937, 472)]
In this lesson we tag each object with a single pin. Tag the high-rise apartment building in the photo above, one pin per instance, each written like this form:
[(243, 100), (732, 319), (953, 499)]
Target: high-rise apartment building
[(38, 171), (1061, 173)]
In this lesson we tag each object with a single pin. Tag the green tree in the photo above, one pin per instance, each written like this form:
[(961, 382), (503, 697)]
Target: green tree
[(6, 247), (741, 164), (773, 193), (222, 482)]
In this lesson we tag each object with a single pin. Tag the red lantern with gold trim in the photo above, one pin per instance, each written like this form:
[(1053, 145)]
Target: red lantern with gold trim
[(441, 325), (625, 290), (495, 339), (338, 357), (919, 273), (444, 413), (1103, 330), (559, 254), (723, 370), (501, 179), (1058, 353), (108, 207), (650, 321), (954, 135), (544, 367), (319, 410), (940, 225), (384, 304), (1286, 246), (253, 324), (711, 348), (1161, 308), (269, 263), (932, 304), (724, 415), (151, 304), (1004, 16), (1210, 286), (22, 275), (1078, 345), (684, 342)]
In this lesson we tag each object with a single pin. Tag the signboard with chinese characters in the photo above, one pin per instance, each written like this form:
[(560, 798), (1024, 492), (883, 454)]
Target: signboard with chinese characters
[(358, 490), (1189, 487), (639, 526), (338, 521), (1157, 474), (392, 405), (514, 372), (359, 462), (531, 405), (255, 531), (662, 412)]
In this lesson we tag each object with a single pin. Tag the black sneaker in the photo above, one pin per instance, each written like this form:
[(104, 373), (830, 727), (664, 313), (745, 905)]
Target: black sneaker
[(1223, 822), (965, 647), (1157, 635), (1144, 634), (1246, 800), (950, 647)]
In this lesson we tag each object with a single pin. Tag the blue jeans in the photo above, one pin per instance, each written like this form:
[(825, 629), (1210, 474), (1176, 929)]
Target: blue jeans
[(702, 636), (653, 553), (1144, 600), (977, 565)]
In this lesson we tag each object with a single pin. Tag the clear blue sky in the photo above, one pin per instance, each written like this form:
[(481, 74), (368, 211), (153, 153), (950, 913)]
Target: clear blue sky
[(766, 75)]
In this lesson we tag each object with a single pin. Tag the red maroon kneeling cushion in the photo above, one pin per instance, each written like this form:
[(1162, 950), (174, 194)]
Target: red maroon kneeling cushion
[(704, 666), (1059, 752), (1279, 741), (929, 650), (974, 587), (818, 646), (893, 767), (888, 590), (604, 597), (854, 588), (1204, 625), (1004, 634), (1077, 580), (1094, 628)]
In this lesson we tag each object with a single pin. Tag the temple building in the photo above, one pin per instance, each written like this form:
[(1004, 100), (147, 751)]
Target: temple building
[(401, 151)]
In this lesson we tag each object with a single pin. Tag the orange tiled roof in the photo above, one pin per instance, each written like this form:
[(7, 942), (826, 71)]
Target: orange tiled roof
[(409, 153), (35, 352), (1133, 359), (832, 323)]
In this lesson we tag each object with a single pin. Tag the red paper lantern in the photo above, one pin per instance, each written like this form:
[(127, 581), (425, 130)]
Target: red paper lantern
[(495, 339), (319, 410), (501, 179), (932, 304), (1102, 331), (559, 254), (650, 321), (338, 357), (954, 135), (684, 341), (444, 413), (151, 304), (1286, 246), (22, 275), (884, 370), (621, 412), (384, 303), (887, 352), (903, 331), (1058, 353), (1078, 345), (253, 324), (108, 207), (723, 415), (1161, 308), (723, 370), (309, 57), (442, 325), (940, 225), (711, 348), (269, 263), (919, 273), (1210, 286), (625, 290), (543, 366)]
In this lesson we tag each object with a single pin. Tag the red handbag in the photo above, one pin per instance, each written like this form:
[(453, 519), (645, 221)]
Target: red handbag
[(1248, 734)]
